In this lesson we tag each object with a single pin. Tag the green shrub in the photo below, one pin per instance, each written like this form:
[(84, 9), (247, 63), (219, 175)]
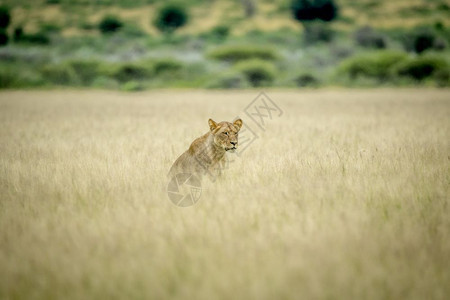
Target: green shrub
[(258, 72), (238, 53), (105, 82), (37, 38), (438, 25), (50, 28), (14, 76), (5, 17), (442, 77), (72, 72), (423, 41), (171, 17), (229, 80), (110, 24), (440, 44), (18, 34), (40, 38), (367, 37), (8, 78), (133, 31), (220, 32), (4, 38), (443, 7), (420, 40), (307, 80), (85, 71), (422, 67), (87, 26), (132, 86), (131, 72), (309, 10), (317, 32), (60, 74), (166, 65), (378, 64)]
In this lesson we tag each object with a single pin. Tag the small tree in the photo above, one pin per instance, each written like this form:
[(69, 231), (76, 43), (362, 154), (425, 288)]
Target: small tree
[(3, 37), (310, 10), (420, 39), (307, 11), (171, 17), (5, 17), (18, 34), (423, 41), (110, 24)]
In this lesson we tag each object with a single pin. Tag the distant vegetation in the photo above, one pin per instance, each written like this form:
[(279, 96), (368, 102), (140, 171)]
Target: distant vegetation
[(5, 19), (110, 24), (242, 52), (311, 10), (135, 45), (171, 17)]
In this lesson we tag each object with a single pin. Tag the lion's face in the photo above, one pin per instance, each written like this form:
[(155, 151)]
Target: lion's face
[(226, 134)]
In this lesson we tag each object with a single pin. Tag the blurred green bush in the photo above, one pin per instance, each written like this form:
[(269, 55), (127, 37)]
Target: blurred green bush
[(442, 77), (8, 78), (132, 86), (307, 80), (13, 77), (59, 74), (170, 17), (5, 16), (257, 72), (4, 38), (129, 72), (126, 75), (422, 38), (166, 66), (369, 38), (242, 52), (110, 24), (5, 19), (85, 70), (39, 38), (218, 33), (376, 64), (229, 80), (309, 10), (50, 28), (423, 67), (18, 34), (316, 32)]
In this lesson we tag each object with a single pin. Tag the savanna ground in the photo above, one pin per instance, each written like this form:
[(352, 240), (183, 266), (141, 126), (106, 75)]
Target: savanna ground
[(345, 196)]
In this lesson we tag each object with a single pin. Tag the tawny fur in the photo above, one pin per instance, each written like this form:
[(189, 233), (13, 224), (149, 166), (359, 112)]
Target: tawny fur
[(206, 155)]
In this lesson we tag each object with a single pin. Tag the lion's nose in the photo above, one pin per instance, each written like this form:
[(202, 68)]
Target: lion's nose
[(233, 143)]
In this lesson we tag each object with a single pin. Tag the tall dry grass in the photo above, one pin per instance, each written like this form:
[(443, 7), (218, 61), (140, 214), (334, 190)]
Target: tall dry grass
[(346, 196)]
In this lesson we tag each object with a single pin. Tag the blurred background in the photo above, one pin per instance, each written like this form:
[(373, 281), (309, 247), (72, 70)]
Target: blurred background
[(136, 45)]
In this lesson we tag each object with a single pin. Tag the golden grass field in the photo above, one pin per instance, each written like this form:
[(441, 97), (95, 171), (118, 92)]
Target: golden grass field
[(345, 196)]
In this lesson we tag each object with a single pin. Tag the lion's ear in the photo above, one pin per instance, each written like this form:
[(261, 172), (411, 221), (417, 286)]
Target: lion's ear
[(238, 124), (212, 124)]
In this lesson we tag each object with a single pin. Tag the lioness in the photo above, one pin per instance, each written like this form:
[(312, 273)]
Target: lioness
[(206, 155)]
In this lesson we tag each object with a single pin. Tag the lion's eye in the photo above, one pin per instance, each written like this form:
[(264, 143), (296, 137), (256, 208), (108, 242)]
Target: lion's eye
[(226, 133)]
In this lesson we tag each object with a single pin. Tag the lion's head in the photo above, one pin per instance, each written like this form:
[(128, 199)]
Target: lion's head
[(226, 134)]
